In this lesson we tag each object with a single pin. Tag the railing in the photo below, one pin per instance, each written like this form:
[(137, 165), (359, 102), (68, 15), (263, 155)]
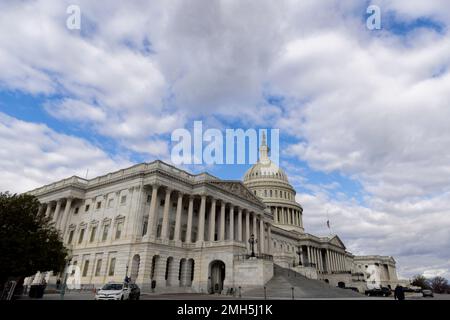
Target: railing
[(242, 257)]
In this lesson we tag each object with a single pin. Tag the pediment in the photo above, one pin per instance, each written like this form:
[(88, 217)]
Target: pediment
[(237, 188), (337, 242)]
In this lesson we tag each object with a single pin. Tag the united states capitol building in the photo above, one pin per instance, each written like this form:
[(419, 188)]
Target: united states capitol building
[(174, 231)]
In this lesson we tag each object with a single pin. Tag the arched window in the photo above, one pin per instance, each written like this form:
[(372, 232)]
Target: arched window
[(271, 194), (276, 193)]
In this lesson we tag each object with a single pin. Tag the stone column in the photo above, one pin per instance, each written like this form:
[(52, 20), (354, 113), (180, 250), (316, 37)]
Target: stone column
[(222, 221), (255, 233), (165, 223), (247, 228), (177, 235), (56, 213), (47, 211), (308, 250), (152, 223), (201, 221), (240, 224), (262, 235), (189, 222), (212, 220), (65, 216), (231, 222), (269, 238), (320, 260), (336, 267)]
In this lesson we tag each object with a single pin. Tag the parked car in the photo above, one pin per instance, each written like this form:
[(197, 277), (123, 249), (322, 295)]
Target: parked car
[(135, 292), (376, 292), (113, 291), (427, 293)]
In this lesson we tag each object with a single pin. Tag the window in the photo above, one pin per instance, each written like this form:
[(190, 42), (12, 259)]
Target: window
[(265, 193), (105, 232), (123, 200), (86, 208), (93, 232), (110, 203), (119, 229), (144, 228), (98, 267), (70, 237), (76, 210), (271, 193), (99, 205), (149, 198), (112, 265), (276, 193), (86, 267), (80, 239), (162, 202)]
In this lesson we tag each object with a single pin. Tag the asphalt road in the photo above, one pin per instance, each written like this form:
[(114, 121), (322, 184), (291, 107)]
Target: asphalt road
[(90, 296)]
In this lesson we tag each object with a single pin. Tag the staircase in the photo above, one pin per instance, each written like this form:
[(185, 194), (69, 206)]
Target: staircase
[(280, 287)]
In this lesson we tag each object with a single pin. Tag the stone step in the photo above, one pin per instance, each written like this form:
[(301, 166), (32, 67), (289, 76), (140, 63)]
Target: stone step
[(280, 286)]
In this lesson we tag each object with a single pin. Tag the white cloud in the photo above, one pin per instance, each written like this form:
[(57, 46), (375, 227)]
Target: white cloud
[(33, 155)]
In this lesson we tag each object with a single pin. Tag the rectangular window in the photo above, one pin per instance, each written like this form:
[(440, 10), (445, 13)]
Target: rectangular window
[(149, 198), (144, 228), (105, 232), (119, 230), (112, 266), (86, 267), (70, 237), (76, 210), (110, 203), (123, 200), (98, 267), (86, 208), (80, 239), (93, 232), (99, 205)]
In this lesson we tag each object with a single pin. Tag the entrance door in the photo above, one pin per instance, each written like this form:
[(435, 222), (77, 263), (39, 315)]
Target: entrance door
[(217, 271)]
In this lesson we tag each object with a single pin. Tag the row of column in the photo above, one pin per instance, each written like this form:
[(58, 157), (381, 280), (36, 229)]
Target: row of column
[(58, 218), (326, 260), (259, 228), (285, 215)]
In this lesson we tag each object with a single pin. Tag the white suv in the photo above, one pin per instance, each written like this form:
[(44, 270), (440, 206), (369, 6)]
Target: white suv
[(113, 291)]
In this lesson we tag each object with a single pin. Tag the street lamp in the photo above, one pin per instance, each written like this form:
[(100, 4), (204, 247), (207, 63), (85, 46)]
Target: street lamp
[(126, 275), (252, 242), (299, 252)]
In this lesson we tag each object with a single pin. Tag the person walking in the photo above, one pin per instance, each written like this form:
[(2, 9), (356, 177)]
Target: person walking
[(399, 294)]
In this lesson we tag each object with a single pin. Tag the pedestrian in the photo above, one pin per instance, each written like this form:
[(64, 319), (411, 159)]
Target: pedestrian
[(399, 294)]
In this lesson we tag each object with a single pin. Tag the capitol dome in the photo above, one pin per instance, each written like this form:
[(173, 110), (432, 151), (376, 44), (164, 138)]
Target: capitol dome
[(270, 183)]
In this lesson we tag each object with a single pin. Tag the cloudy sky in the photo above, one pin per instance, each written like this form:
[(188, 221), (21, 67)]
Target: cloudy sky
[(363, 115)]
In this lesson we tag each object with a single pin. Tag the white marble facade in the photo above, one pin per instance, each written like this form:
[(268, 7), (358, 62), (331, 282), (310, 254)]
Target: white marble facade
[(156, 223)]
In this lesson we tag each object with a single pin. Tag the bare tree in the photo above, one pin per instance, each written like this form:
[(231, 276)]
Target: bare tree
[(439, 284)]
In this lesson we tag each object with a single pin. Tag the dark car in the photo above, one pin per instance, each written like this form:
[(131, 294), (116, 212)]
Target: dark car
[(427, 293), (376, 292), (135, 292)]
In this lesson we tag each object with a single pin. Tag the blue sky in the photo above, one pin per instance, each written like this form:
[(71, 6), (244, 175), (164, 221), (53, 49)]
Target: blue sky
[(361, 113)]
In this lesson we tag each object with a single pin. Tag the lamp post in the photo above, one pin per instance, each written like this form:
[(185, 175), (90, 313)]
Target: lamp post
[(126, 275), (299, 252), (252, 242)]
